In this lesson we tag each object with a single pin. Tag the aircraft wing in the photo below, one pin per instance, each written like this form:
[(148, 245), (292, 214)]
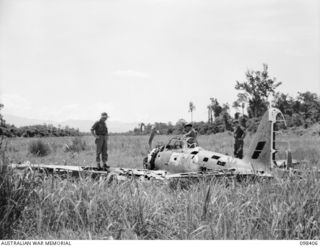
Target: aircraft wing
[(120, 173), (124, 173)]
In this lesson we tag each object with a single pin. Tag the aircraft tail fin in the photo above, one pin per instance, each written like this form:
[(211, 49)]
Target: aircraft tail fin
[(262, 150)]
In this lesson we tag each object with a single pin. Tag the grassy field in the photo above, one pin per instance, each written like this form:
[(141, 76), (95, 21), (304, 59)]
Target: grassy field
[(218, 209)]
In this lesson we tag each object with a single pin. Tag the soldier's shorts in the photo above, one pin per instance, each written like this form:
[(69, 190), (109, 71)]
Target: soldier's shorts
[(238, 148), (101, 148)]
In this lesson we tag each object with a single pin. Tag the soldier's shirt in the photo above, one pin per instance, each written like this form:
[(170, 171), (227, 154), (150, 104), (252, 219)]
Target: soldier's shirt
[(191, 136), (100, 128), (192, 133), (239, 133)]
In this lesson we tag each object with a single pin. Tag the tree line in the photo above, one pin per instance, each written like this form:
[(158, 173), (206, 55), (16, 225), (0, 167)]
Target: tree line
[(40, 130), (255, 95)]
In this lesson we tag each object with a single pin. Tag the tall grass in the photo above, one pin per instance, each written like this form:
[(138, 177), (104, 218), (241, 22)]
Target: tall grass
[(77, 145), (39, 148), (15, 194), (84, 209), (216, 209)]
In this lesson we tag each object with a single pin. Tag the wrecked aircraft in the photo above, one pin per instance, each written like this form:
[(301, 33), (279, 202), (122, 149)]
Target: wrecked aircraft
[(179, 160), (178, 157)]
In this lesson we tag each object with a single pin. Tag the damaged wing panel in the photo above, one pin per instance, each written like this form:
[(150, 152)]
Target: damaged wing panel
[(120, 173)]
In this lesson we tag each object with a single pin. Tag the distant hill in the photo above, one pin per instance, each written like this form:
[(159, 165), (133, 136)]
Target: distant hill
[(83, 125)]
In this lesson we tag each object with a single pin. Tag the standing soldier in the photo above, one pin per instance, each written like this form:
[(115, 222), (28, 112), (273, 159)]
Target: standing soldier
[(239, 135), (100, 131)]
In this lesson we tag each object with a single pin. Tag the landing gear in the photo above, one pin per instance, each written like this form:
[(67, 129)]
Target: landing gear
[(150, 164), (145, 163)]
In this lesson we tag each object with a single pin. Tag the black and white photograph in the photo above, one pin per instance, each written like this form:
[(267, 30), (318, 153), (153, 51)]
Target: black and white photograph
[(159, 120)]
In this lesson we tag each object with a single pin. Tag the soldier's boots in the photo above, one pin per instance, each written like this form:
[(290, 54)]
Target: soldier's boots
[(99, 167), (105, 167)]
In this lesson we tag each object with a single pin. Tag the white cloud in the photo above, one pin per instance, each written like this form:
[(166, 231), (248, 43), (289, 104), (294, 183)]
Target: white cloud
[(131, 73)]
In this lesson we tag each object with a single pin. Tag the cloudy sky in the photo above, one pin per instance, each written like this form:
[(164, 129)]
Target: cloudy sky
[(145, 60)]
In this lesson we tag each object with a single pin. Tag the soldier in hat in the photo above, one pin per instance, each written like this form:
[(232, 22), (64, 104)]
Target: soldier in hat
[(190, 135), (100, 131), (239, 135)]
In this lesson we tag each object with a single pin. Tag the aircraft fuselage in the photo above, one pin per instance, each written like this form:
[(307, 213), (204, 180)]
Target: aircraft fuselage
[(195, 160)]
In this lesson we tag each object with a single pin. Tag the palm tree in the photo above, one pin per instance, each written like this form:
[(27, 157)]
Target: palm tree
[(192, 107), (210, 115), (142, 127)]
